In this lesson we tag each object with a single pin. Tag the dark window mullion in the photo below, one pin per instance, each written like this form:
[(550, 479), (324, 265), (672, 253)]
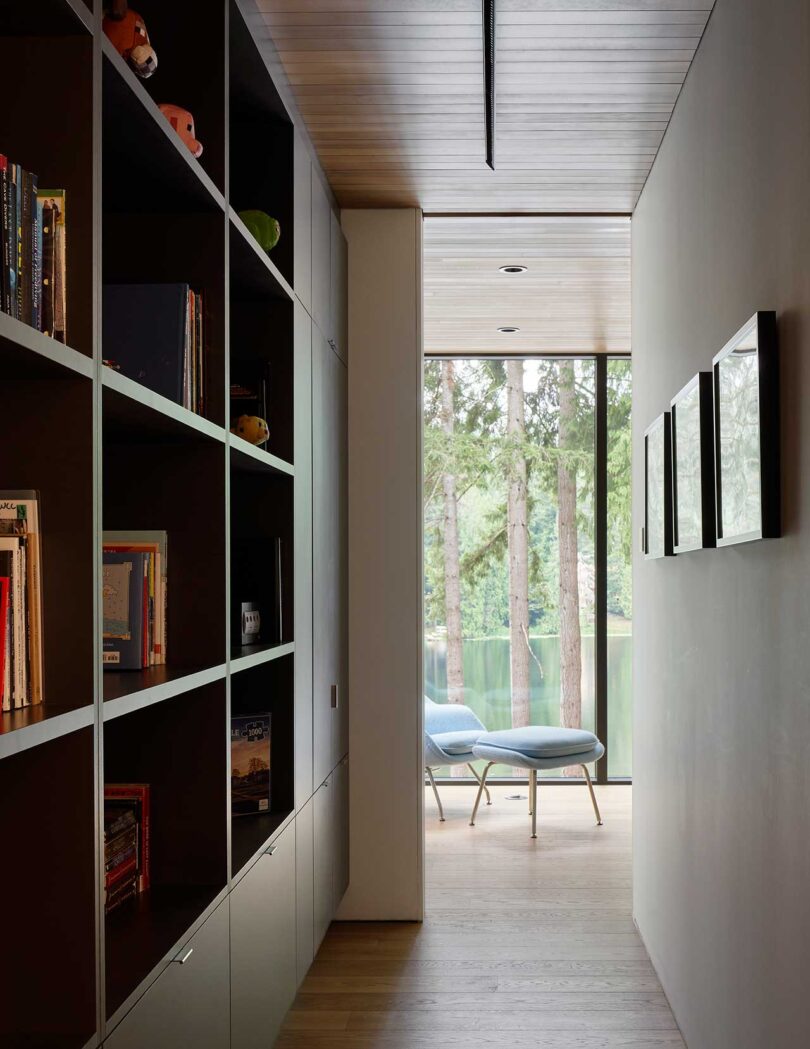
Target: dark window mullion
[(600, 548)]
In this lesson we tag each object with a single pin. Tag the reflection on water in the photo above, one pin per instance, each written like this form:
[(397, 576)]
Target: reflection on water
[(487, 691)]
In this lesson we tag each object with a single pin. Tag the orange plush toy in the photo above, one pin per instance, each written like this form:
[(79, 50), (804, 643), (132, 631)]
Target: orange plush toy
[(183, 123), (127, 33)]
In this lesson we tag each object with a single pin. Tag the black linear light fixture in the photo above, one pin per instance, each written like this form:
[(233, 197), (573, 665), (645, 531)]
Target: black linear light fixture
[(488, 15)]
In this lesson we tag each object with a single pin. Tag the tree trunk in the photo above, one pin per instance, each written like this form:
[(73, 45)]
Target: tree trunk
[(452, 574), (570, 635), (518, 546)]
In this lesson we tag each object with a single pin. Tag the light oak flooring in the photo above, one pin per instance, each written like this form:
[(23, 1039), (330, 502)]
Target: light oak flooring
[(526, 944)]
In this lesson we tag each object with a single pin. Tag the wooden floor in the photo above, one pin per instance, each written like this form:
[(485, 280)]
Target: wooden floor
[(526, 944)]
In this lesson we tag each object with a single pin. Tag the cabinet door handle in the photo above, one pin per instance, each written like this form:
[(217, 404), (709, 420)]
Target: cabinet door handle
[(269, 851), (181, 958), (334, 697)]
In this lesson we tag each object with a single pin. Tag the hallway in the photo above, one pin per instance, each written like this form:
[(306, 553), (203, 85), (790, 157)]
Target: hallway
[(526, 945)]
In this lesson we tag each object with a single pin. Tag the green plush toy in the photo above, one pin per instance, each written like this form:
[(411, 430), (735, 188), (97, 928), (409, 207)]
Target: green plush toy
[(264, 228)]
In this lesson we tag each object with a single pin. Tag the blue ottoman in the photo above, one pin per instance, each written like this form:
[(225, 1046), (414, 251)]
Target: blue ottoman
[(538, 747)]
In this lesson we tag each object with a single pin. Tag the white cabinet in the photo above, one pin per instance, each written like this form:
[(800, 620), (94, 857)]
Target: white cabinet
[(339, 283), (302, 221), (305, 888), (188, 1004), (263, 946), (321, 257)]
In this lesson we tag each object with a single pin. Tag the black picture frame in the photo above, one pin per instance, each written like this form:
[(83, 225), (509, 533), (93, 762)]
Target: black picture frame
[(693, 446), (658, 489), (752, 489)]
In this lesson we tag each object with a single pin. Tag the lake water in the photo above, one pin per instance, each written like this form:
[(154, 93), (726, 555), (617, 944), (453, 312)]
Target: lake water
[(487, 691)]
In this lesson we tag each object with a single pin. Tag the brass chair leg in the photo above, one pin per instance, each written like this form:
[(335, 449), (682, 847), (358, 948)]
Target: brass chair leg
[(593, 796), (436, 792), (533, 800), (486, 789), (481, 789)]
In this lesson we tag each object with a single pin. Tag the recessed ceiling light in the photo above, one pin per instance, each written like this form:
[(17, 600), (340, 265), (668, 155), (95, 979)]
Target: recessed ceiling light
[(512, 269), (508, 329)]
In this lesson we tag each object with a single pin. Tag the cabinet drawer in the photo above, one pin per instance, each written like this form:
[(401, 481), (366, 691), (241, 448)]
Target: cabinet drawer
[(263, 946), (189, 1003)]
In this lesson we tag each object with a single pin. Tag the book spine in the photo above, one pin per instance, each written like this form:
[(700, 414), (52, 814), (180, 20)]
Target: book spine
[(48, 250), (4, 234), (26, 279), (140, 795), (36, 287), (5, 698), (13, 249)]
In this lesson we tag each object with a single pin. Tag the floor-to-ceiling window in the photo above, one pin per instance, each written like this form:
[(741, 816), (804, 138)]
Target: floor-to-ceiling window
[(527, 521)]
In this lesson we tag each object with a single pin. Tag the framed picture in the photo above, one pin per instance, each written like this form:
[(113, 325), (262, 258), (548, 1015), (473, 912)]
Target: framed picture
[(692, 422), (658, 488), (746, 434)]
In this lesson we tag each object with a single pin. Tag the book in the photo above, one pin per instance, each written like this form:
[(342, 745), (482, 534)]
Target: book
[(250, 764), (124, 593), (153, 543), (48, 263), (55, 200), (27, 237), (5, 654), (120, 798), (5, 237), (154, 334), (20, 534)]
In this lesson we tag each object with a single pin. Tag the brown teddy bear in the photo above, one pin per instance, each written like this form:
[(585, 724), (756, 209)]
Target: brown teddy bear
[(127, 33)]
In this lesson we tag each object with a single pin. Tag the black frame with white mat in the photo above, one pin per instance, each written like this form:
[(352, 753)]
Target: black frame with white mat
[(746, 434), (692, 441), (658, 454)]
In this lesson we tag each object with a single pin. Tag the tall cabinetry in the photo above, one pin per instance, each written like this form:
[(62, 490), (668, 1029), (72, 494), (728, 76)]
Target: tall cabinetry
[(211, 954)]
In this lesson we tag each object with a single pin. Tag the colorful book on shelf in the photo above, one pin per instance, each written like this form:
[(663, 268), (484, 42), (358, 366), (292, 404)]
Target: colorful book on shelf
[(133, 798), (125, 602), (154, 334), (21, 539), (250, 764), (5, 238), (33, 251), (153, 543)]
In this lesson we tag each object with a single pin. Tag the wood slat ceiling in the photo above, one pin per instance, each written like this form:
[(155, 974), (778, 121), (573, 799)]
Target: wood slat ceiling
[(392, 94), (573, 298)]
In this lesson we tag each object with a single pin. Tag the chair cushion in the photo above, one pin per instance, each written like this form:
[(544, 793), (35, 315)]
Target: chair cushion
[(460, 742), (537, 741), (502, 756)]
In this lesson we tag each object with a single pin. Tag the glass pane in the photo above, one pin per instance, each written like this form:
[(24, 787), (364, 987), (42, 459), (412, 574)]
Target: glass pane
[(619, 572), (740, 485), (509, 541), (688, 482)]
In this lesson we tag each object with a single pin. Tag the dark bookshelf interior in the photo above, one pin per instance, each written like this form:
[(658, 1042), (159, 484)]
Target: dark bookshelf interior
[(48, 879), (261, 514), (191, 73), (177, 748), (261, 347), (184, 485), (62, 158), (61, 468), (266, 689), (261, 141), (109, 453)]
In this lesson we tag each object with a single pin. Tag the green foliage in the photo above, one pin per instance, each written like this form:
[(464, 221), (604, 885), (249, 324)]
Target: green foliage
[(478, 454)]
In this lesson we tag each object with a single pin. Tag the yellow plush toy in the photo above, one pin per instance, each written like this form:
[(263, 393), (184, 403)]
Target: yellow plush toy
[(251, 429)]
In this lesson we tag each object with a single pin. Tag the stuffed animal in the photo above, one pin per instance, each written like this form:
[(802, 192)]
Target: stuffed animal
[(264, 228), (251, 429), (183, 123), (127, 33)]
